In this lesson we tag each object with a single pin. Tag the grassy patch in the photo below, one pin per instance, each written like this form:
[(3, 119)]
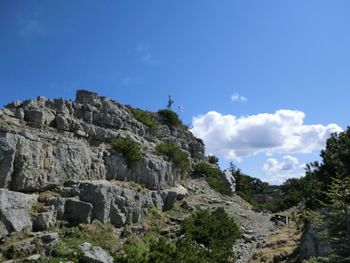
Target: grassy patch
[(130, 150), (213, 175), (147, 118), (176, 155), (96, 233)]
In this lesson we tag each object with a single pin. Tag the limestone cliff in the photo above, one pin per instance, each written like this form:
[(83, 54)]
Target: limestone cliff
[(44, 143), (57, 165), (64, 146)]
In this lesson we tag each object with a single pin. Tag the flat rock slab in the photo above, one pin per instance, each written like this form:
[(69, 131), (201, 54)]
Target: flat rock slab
[(15, 211)]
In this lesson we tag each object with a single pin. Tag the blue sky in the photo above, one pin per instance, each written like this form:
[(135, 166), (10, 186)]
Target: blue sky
[(237, 59)]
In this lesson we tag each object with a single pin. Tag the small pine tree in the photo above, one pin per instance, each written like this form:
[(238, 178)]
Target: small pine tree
[(337, 221)]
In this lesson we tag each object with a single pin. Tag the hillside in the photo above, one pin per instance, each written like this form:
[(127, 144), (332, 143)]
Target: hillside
[(64, 165)]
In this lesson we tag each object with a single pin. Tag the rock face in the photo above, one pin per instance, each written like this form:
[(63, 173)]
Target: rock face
[(44, 143), (152, 171), (39, 160), (64, 146)]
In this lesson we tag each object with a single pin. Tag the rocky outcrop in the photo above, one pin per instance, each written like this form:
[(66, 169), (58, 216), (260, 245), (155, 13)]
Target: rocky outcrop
[(152, 171), (38, 160), (105, 201), (45, 142), (57, 163)]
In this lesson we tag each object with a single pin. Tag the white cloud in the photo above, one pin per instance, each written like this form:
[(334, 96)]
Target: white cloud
[(284, 131), (237, 97), (289, 163), (278, 179), (278, 172)]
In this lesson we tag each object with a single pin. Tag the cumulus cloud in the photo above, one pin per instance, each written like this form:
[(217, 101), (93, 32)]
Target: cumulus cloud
[(237, 97), (289, 163), (284, 131), (280, 178), (279, 171)]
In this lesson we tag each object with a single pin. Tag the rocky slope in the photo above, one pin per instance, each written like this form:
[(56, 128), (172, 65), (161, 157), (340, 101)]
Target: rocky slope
[(57, 165)]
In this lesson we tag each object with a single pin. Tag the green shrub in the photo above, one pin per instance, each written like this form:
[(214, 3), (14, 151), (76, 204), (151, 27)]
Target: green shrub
[(213, 159), (146, 118), (163, 251), (213, 175), (199, 140), (208, 238), (130, 150), (169, 117), (329, 259), (176, 155), (216, 230)]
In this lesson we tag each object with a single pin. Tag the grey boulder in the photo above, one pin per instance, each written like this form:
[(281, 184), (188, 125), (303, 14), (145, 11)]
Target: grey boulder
[(94, 254), (15, 211)]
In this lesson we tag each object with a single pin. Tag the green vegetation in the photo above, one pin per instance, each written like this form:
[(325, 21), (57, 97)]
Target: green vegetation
[(213, 175), (176, 155), (326, 185), (337, 221), (333, 223), (213, 159), (208, 237), (329, 259), (247, 186), (312, 189), (335, 164), (199, 140), (151, 250), (169, 118), (130, 150), (96, 233), (291, 196), (147, 118), (216, 231)]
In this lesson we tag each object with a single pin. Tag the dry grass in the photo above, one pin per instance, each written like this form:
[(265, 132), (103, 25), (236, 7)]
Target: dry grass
[(45, 196), (281, 245)]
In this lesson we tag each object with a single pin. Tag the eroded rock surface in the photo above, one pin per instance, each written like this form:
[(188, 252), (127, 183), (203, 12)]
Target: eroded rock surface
[(45, 142), (57, 165)]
